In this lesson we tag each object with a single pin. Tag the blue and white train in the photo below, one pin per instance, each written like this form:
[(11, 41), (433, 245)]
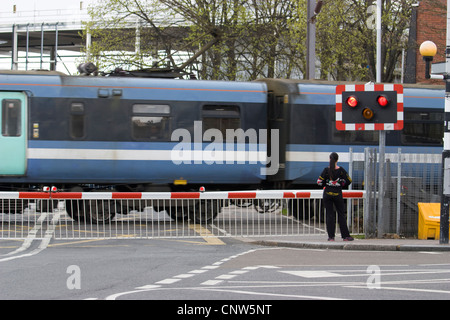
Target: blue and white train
[(311, 134), (83, 133)]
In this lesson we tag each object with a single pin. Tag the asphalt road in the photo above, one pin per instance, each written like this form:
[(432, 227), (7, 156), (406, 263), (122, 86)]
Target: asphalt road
[(219, 276), (187, 270)]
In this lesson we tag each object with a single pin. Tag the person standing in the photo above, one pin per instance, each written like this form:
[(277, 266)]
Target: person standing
[(333, 178)]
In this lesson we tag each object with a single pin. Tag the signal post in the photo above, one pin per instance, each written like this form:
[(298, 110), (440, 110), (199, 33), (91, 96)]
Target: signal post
[(428, 49), (371, 107)]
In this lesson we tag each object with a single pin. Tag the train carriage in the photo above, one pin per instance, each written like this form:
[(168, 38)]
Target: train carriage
[(127, 132), (85, 133), (305, 113)]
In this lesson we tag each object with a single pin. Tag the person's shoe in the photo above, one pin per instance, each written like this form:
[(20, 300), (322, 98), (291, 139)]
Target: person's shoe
[(330, 239), (348, 239)]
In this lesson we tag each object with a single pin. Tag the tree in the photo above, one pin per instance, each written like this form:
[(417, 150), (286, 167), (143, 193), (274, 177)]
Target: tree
[(132, 34), (208, 19), (348, 52), (279, 37), (255, 38), (258, 38)]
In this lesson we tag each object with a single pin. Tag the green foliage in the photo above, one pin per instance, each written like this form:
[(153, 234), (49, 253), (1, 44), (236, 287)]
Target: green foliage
[(347, 38), (256, 38)]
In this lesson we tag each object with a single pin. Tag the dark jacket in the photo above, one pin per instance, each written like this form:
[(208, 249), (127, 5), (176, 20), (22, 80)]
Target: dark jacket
[(333, 186)]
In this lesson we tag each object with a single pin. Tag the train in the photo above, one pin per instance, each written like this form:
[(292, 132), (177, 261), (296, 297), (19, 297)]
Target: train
[(130, 134)]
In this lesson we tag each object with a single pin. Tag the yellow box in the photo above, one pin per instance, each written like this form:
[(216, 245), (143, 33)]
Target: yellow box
[(429, 220)]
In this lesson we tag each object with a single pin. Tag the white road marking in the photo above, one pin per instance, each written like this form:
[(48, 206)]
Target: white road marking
[(168, 281), (382, 287), (32, 236), (175, 279), (313, 274), (273, 294)]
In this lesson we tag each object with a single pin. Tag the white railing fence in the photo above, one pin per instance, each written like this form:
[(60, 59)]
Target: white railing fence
[(89, 215)]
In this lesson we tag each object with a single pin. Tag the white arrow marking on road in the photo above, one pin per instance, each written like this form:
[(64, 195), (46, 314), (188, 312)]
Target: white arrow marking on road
[(313, 274)]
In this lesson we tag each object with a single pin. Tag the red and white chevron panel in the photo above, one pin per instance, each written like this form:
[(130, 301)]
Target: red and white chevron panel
[(258, 194), (398, 125)]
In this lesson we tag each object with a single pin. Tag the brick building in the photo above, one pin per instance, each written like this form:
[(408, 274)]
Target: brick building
[(428, 23)]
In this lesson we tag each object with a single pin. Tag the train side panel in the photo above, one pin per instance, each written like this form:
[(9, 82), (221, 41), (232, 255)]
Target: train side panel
[(140, 131), (13, 138), (309, 122)]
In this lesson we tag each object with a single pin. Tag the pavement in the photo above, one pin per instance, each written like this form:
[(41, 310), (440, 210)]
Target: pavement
[(320, 242)]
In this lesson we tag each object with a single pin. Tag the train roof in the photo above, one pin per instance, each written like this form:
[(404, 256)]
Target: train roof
[(56, 84), (317, 92), (46, 83), (293, 84)]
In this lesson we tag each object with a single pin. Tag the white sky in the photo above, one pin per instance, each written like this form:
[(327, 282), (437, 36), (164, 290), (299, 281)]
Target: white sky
[(27, 7), (30, 5)]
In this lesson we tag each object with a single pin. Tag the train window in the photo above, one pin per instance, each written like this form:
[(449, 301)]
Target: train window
[(221, 117), (77, 120), (354, 137), (151, 108), (11, 118), (423, 127), (151, 122)]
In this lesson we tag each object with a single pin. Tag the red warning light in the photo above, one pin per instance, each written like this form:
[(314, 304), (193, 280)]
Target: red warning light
[(352, 101), (382, 101)]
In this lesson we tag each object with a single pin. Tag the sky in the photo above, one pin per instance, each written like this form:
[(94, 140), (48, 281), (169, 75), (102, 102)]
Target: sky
[(27, 7), (30, 5)]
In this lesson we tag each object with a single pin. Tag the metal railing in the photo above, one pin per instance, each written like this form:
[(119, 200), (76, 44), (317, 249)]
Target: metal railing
[(93, 215)]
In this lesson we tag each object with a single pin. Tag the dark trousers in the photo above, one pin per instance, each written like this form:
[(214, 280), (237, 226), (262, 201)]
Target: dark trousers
[(338, 202)]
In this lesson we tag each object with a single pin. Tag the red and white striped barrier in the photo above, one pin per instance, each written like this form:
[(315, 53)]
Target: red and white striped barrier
[(258, 194)]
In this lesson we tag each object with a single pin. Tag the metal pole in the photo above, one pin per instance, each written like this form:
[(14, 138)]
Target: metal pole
[(15, 48), (349, 203), (382, 133), (379, 13), (88, 44), (368, 188), (369, 219), (27, 47), (445, 197), (381, 215), (311, 42), (444, 219), (42, 45), (399, 188), (56, 46)]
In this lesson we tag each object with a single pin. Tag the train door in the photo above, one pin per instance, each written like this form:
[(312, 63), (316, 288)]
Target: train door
[(278, 120), (13, 137)]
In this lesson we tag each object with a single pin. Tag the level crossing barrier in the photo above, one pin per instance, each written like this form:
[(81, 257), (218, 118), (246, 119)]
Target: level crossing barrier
[(146, 215)]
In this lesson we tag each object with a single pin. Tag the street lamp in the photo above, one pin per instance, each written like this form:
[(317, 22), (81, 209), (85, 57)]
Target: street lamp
[(428, 50)]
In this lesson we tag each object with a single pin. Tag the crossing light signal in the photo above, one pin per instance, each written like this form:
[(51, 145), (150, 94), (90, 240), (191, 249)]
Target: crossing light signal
[(369, 107), (367, 113), (352, 101), (382, 101)]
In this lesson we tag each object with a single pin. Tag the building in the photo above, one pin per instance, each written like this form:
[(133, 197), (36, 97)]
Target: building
[(428, 22), (42, 34)]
